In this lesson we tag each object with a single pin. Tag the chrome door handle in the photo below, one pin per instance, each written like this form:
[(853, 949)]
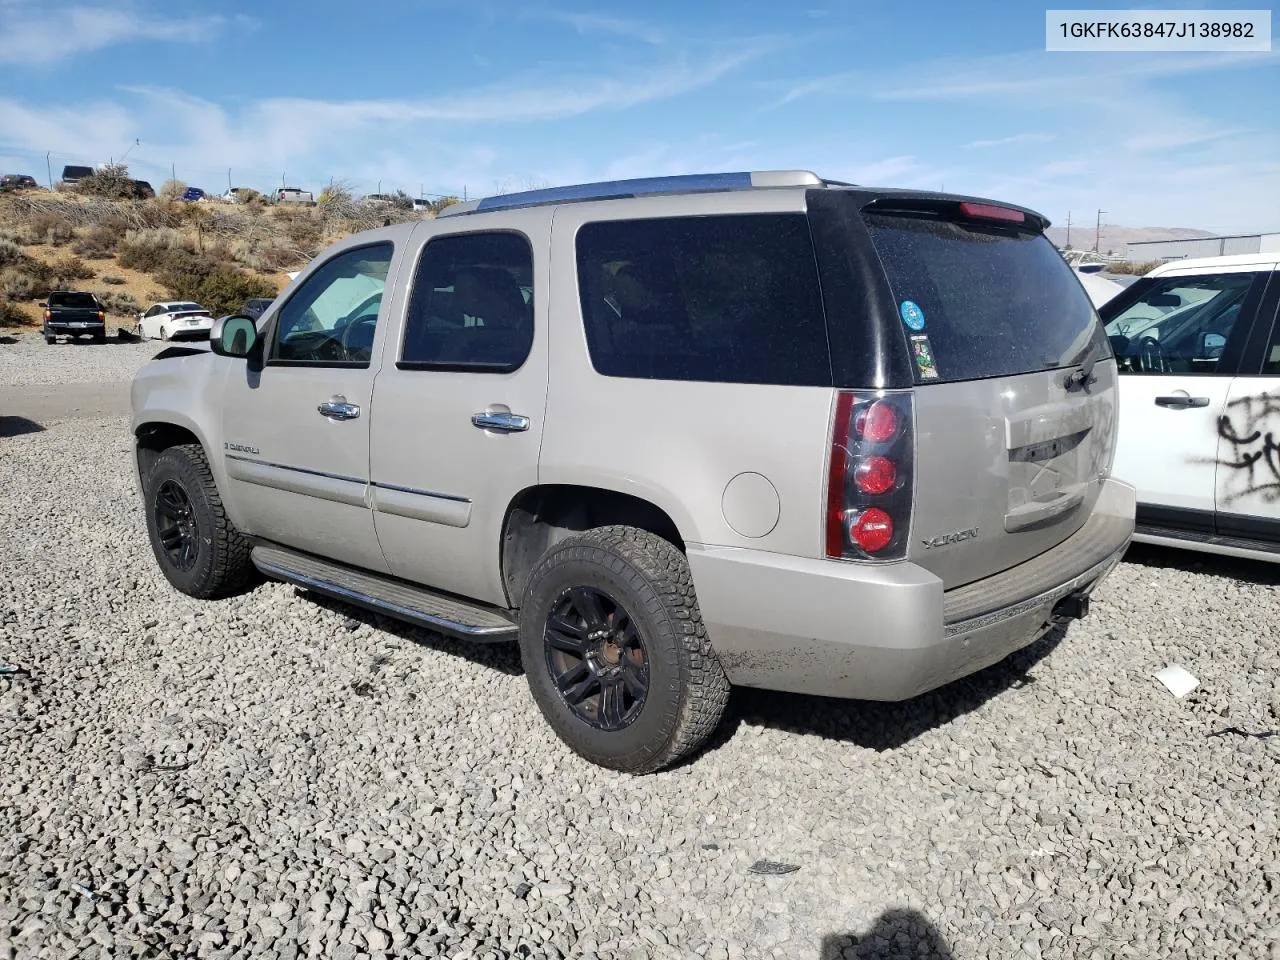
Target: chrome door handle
[(339, 409), (1176, 401), (502, 422)]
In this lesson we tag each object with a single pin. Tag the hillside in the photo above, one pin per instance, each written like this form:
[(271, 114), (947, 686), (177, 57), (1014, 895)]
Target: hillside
[(132, 253), (1117, 239)]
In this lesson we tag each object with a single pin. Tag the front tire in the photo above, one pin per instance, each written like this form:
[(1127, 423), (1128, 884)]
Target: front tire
[(199, 549), (616, 653)]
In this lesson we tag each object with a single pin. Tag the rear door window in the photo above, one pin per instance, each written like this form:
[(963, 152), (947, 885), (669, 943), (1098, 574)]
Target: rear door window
[(729, 299), (983, 301)]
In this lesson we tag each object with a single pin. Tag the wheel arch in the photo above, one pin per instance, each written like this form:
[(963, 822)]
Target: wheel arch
[(540, 516)]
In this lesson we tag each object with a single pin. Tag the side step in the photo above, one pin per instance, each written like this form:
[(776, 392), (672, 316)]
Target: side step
[(395, 598), (1209, 542)]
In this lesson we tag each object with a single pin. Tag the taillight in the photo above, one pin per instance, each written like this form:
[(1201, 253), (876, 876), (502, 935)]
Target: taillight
[(48, 315), (869, 480), (102, 315)]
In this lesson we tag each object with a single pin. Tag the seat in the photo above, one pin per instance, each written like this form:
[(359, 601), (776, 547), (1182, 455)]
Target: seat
[(500, 327)]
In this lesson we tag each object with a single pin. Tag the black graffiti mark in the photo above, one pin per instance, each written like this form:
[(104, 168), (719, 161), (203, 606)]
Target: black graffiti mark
[(1254, 449)]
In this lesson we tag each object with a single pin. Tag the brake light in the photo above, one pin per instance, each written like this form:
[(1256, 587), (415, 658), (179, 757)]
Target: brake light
[(875, 474), (48, 315), (102, 315), (869, 479), (871, 529), (989, 211)]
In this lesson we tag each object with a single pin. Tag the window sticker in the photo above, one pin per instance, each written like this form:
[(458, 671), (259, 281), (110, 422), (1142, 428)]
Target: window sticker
[(912, 315), (923, 353)]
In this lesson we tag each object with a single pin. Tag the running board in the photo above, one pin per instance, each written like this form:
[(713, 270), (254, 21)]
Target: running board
[(381, 594), (1208, 542)]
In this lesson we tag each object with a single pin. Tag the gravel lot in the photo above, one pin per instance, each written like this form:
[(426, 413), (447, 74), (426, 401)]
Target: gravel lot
[(275, 776)]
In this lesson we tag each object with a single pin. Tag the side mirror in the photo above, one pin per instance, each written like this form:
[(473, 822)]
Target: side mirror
[(233, 336), (44, 305), (1212, 345)]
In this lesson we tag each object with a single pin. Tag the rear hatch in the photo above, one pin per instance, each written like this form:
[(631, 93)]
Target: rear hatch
[(1015, 387)]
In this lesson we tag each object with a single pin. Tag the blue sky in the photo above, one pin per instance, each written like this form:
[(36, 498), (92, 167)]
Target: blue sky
[(488, 96)]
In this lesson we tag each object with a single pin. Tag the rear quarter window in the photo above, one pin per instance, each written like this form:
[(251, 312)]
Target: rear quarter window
[(729, 299), (992, 301)]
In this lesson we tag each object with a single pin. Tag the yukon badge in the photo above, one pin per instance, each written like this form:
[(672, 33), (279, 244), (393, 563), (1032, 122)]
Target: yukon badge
[(944, 539)]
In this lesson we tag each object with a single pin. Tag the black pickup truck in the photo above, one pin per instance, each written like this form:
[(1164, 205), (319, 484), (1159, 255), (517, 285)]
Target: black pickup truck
[(75, 315)]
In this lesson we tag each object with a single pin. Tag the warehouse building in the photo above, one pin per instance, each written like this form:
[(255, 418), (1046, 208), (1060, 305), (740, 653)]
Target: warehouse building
[(1145, 251)]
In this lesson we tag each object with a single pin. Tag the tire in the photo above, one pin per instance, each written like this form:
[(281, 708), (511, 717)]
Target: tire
[(648, 580), (217, 562), (50, 340), (164, 333), (99, 338)]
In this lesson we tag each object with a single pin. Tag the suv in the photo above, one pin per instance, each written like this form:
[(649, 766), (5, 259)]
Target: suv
[(668, 435), (73, 314), (294, 195), (1198, 347)]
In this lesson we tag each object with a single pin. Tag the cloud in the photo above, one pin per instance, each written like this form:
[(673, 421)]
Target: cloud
[(42, 35), (599, 23), (1006, 141)]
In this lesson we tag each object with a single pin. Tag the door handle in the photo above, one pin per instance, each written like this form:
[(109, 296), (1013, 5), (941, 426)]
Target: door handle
[(502, 422), (339, 409), (1176, 401)]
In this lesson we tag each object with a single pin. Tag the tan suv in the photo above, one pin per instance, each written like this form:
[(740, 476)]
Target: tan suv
[(669, 435)]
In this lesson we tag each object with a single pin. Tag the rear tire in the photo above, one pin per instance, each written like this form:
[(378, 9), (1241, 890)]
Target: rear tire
[(646, 626), (199, 549), (50, 340), (164, 333)]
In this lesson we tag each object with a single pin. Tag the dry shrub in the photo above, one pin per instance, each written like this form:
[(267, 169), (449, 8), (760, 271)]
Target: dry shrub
[(119, 303), (112, 279), (171, 190), (11, 315), (69, 271), (148, 250), (53, 228), (99, 244), (17, 284), (264, 254), (11, 253)]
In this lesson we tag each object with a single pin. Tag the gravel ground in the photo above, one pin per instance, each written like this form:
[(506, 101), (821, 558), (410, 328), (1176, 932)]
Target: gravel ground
[(29, 361), (275, 776)]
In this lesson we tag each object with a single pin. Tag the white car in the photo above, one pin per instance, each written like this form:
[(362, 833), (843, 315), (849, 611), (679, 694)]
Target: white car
[(1099, 289), (177, 318), (1198, 348)]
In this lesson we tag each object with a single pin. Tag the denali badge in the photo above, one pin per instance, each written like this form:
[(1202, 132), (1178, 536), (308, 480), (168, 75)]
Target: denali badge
[(943, 539), (239, 448)]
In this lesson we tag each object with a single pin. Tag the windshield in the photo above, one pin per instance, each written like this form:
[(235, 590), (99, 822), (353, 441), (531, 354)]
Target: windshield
[(77, 301), (980, 301)]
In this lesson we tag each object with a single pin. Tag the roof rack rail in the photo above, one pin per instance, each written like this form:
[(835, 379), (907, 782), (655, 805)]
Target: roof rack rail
[(645, 186)]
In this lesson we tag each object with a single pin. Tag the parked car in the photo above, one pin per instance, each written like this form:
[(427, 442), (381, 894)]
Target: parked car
[(142, 190), (1198, 347), (174, 319), (294, 195), (238, 194), (74, 314), (1100, 289), (192, 195), (72, 174), (778, 432), (254, 308), (18, 181)]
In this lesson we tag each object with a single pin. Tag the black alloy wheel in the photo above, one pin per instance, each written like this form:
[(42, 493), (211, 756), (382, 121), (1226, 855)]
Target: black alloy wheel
[(176, 525), (597, 658)]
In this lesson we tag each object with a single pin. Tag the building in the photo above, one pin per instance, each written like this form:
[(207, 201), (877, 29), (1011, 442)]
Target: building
[(1145, 251)]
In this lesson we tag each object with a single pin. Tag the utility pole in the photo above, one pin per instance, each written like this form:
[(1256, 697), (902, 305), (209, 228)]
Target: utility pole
[(48, 166), (228, 179), (1068, 229), (1097, 231)]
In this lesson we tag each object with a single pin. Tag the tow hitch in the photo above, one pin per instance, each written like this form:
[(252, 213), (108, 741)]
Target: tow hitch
[(1074, 606)]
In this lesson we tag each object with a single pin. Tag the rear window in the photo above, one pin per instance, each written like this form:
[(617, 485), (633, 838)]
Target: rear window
[(73, 300), (729, 299), (72, 173), (979, 301)]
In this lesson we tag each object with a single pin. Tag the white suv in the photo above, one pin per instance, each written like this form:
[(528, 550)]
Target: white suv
[(1198, 345), (670, 434)]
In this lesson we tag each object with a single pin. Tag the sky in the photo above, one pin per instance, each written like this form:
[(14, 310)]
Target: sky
[(446, 96)]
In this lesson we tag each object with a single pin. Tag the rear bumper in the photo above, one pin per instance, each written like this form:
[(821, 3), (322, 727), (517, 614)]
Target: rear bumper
[(74, 326), (890, 632)]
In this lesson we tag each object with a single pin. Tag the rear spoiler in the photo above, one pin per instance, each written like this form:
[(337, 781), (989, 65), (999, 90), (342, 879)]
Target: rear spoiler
[(943, 206)]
